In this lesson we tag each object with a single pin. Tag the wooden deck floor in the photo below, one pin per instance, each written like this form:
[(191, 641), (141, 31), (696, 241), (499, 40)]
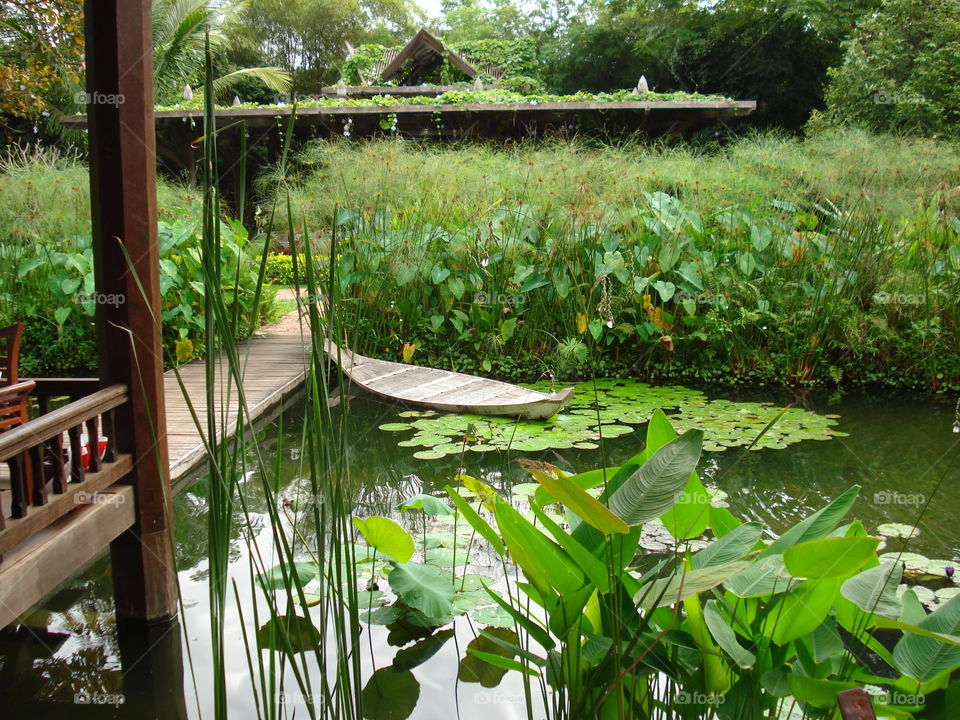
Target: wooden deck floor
[(275, 369)]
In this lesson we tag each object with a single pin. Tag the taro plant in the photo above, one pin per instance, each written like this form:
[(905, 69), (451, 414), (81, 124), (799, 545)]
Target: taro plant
[(744, 627)]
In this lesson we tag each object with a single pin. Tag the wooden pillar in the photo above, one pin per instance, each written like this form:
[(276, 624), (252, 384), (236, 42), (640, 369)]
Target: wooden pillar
[(126, 263)]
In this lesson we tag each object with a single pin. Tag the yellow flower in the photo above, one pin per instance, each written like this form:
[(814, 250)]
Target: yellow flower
[(581, 323)]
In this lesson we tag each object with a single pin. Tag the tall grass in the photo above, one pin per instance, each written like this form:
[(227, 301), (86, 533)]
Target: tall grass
[(457, 185), (776, 260), (45, 197)]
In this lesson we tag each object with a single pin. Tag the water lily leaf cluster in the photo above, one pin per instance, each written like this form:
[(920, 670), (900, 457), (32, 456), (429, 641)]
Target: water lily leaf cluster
[(610, 408)]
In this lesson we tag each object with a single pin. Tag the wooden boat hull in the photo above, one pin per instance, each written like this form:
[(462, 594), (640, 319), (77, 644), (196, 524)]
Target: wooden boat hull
[(444, 390)]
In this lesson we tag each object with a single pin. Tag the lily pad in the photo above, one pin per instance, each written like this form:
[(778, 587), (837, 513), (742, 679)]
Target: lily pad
[(897, 530), (493, 616), (610, 408)]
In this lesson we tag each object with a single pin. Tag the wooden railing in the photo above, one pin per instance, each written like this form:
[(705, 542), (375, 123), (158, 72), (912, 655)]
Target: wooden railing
[(43, 485)]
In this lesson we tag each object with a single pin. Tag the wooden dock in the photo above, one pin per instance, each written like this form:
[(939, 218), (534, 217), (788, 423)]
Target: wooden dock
[(276, 363)]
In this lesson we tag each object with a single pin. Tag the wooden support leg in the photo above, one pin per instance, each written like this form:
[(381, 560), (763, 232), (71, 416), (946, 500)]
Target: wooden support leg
[(119, 51), (151, 659)]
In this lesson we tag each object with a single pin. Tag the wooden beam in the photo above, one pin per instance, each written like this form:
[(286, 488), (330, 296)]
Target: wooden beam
[(48, 559), (126, 266)]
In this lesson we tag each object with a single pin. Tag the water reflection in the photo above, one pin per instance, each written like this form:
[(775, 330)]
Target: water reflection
[(69, 659)]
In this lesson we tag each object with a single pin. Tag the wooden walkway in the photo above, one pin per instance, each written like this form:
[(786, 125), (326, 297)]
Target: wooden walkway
[(275, 362)]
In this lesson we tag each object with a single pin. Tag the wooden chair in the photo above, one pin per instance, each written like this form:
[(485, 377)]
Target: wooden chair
[(10, 354), (14, 403)]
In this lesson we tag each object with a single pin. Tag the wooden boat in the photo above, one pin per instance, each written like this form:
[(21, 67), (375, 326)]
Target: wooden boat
[(444, 390)]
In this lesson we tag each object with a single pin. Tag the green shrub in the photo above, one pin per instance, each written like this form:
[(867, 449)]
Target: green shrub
[(901, 71), (51, 288), (280, 269)]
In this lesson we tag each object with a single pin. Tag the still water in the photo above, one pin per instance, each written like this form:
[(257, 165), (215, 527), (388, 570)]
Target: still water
[(69, 660)]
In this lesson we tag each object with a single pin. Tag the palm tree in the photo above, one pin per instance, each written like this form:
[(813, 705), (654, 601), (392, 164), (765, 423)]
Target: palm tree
[(180, 29)]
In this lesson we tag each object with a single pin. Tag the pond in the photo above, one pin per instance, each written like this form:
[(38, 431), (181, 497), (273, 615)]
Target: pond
[(901, 449)]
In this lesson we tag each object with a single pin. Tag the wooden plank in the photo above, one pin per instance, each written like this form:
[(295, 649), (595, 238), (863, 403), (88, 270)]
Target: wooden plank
[(20, 529), (37, 567), (19, 439), (275, 369)]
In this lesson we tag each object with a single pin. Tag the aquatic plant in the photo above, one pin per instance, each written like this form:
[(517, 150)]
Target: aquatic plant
[(607, 408), (538, 266)]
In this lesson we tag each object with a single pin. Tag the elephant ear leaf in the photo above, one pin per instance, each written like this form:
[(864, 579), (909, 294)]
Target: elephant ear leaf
[(655, 486), (922, 657)]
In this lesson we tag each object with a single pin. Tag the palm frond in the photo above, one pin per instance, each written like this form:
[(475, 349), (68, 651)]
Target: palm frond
[(273, 77)]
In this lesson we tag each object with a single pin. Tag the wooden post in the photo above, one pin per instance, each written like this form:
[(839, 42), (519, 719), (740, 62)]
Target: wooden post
[(855, 704), (126, 263)]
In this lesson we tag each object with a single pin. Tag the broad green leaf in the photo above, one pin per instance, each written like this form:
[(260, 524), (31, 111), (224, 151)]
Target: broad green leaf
[(272, 579), (428, 503), (819, 693), (584, 480), (825, 641), (725, 637), (875, 590), (675, 588), (689, 517), (654, 488), (423, 587), (818, 525), (476, 522), (484, 492), (591, 566), (722, 521), (924, 658), (659, 432), (387, 537), (544, 563), (584, 505), (834, 557), (765, 576), (732, 546), (799, 611), (390, 695)]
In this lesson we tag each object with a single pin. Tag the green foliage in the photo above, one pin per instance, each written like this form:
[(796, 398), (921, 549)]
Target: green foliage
[(901, 71), (50, 287), (308, 38), (356, 68), (181, 31), (280, 271), (545, 260)]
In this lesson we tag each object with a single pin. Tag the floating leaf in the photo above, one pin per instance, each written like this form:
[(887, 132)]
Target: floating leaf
[(390, 695), (386, 536), (423, 587)]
